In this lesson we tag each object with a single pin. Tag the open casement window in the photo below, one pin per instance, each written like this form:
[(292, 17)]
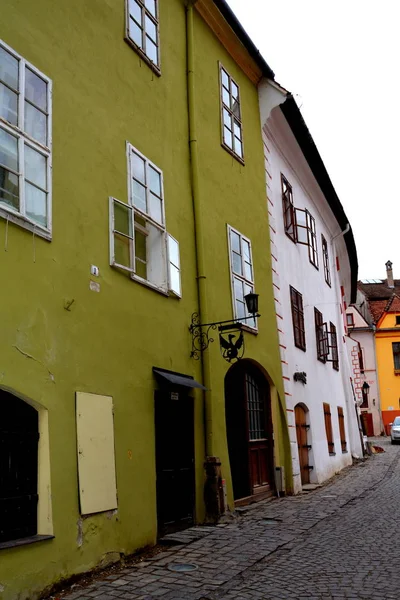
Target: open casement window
[(333, 347), (25, 143), (306, 233), (139, 242), (325, 258), (288, 209), (321, 336), (242, 274), (342, 429), (142, 30), (231, 115), (296, 301), (328, 428)]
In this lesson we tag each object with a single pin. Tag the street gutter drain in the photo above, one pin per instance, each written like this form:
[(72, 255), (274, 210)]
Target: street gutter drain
[(182, 567)]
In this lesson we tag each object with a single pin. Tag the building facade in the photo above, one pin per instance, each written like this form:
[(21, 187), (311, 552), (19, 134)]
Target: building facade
[(132, 196), (379, 302), (315, 274)]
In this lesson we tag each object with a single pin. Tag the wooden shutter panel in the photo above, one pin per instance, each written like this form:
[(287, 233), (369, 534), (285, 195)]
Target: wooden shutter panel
[(342, 429), (328, 428)]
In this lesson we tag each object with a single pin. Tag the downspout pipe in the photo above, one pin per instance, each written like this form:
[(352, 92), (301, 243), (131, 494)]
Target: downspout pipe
[(198, 221)]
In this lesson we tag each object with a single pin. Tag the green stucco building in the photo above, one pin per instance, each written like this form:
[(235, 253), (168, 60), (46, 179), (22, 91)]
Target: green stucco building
[(132, 195)]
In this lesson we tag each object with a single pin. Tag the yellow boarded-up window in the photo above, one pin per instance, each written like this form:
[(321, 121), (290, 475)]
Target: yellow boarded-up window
[(96, 457)]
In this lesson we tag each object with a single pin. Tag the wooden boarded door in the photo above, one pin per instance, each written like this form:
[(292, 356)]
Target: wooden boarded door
[(302, 442), (174, 460)]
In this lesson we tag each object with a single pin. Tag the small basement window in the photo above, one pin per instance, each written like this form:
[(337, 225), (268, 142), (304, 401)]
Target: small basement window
[(397, 319)]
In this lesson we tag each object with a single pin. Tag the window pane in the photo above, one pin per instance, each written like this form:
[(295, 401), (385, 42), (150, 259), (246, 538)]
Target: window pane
[(9, 188), (140, 254), (227, 137), (246, 250), (236, 108), (122, 219), (137, 165), (151, 6), (154, 181), (240, 310), (150, 29), (135, 11), (8, 150), (237, 130), (151, 51), (155, 209), (139, 196), (236, 263), (248, 271), (224, 78), (36, 204), (35, 167), (238, 289), (238, 147), (35, 123), (135, 33), (35, 89), (235, 242), (8, 69), (227, 118), (8, 105), (175, 279), (226, 97), (173, 248), (234, 90), (122, 254)]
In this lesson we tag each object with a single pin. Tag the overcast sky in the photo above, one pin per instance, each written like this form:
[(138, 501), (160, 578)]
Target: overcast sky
[(342, 59)]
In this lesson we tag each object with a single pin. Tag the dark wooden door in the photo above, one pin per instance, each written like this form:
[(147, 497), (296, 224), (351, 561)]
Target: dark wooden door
[(174, 461), (302, 442), (368, 423), (249, 430), (19, 435)]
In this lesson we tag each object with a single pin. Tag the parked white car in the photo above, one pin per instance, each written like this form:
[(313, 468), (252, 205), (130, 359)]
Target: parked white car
[(395, 430)]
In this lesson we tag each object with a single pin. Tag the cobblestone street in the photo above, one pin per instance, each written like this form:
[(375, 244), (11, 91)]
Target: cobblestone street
[(338, 541)]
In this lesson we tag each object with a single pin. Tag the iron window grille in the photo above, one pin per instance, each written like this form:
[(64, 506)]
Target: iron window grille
[(142, 30), (25, 143), (242, 274), (325, 258), (231, 115), (296, 300)]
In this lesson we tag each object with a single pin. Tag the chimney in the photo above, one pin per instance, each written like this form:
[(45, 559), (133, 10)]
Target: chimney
[(389, 274)]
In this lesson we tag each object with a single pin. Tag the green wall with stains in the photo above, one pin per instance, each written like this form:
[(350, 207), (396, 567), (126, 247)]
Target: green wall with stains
[(108, 342)]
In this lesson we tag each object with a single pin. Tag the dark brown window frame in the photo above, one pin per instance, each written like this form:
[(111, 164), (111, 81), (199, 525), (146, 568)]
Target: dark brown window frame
[(328, 428), (325, 259), (351, 319), (289, 219), (396, 355), (299, 334), (334, 346), (310, 239), (319, 322), (342, 429)]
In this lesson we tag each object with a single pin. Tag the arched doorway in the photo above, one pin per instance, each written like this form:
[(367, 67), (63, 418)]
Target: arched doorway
[(19, 435), (303, 446), (249, 429)]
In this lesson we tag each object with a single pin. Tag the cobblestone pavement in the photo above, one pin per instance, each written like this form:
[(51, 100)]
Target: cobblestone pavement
[(339, 541)]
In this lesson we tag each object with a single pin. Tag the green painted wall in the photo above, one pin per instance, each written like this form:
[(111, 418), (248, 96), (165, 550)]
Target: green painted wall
[(103, 96)]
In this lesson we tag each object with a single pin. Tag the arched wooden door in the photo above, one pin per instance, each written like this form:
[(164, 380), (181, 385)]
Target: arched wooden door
[(302, 427), (249, 429)]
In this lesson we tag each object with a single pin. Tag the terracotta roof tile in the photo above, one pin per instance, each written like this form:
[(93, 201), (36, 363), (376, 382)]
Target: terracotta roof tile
[(377, 308)]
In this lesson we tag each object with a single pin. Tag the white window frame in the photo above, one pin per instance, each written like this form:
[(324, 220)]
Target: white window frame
[(168, 288), (249, 323), (8, 213), (156, 67), (233, 117)]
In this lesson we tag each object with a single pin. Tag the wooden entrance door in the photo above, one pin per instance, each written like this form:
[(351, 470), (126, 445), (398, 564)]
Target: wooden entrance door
[(302, 442), (249, 430), (174, 460)]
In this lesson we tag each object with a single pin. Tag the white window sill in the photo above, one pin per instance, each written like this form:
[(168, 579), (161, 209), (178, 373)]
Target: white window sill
[(155, 68), (249, 329), (25, 223), (150, 285)]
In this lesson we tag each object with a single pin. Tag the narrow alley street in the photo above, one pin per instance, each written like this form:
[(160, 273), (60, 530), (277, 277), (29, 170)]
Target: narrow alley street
[(338, 541)]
